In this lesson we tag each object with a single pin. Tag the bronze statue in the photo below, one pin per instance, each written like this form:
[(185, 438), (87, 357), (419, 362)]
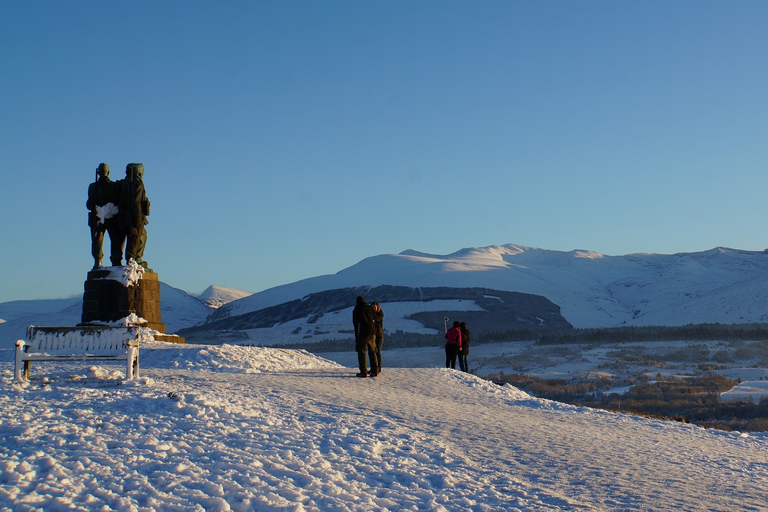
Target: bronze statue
[(102, 203), (134, 209)]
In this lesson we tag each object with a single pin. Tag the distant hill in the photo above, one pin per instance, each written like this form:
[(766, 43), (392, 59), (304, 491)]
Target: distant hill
[(216, 296), (721, 285), (15, 309), (328, 314), (177, 308)]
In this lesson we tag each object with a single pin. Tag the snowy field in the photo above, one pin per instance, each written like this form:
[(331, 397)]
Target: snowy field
[(220, 428), (578, 360)]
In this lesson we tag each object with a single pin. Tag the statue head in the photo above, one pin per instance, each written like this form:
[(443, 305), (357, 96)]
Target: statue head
[(103, 170), (134, 171)]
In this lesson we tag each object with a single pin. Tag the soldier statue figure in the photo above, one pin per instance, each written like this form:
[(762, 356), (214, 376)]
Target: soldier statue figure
[(134, 209), (102, 203), (118, 294)]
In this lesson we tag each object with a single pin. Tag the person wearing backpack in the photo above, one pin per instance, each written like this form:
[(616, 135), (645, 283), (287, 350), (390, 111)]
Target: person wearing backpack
[(464, 350), (452, 345)]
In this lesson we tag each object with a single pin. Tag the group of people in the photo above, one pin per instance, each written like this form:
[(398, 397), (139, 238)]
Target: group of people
[(457, 346), (120, 208), (368, 321)]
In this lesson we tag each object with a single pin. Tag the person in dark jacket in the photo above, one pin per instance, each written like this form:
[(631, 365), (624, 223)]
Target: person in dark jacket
[(364, 322), (464, 351), (452, 345), (379, 317), (102, 203)]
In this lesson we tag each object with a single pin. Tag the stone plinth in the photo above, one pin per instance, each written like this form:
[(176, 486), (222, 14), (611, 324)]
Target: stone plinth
[(108, 299)]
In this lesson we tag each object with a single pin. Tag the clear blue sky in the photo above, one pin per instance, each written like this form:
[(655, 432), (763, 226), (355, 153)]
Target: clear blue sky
[(289, 139)]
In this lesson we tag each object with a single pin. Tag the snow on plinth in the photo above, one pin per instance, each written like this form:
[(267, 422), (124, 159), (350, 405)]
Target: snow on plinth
[(128, 275)]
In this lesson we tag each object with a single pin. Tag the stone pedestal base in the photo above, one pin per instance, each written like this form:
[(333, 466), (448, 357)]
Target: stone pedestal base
[(108, 300)]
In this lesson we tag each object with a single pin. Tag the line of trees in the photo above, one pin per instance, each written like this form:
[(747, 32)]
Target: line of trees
[(596, 336), (393, 340), (690, 399), (690, 332)]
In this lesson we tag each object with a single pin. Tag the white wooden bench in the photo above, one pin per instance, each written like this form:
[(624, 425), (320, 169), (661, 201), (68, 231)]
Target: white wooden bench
[(67, 344)]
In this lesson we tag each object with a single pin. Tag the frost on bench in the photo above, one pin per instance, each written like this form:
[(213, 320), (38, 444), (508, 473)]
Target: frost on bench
[(84, 343)]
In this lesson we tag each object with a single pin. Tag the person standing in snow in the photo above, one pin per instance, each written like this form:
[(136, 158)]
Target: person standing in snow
[(378, 315), (464, 350), (103, 198), (452, 345), (364, 322)]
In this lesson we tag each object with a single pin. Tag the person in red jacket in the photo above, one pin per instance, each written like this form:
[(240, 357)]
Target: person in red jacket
[(452, 345)]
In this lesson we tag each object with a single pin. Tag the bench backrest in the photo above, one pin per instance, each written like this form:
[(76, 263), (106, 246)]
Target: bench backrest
[(53, 340)]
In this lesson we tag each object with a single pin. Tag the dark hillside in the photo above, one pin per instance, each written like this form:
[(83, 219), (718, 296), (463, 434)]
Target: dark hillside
[(502, 310)]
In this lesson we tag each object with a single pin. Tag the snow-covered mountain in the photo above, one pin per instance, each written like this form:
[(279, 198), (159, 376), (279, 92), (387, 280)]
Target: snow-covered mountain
[(328, 315), (216, 296), (592, 290), (720, 285), (22, 308)]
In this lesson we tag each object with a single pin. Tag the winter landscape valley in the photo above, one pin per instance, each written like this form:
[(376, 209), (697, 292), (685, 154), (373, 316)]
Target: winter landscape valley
[(253, 413)]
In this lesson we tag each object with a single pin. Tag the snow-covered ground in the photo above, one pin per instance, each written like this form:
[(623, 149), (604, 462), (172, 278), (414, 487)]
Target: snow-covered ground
[(754, 389), (248, 428)]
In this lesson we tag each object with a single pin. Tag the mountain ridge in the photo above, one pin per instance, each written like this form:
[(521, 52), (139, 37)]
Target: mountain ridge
[(719, 285), (332, 311), (593, 290), (216, 296)]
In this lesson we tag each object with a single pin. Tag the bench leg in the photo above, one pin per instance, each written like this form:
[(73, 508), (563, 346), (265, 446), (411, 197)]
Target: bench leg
[(20, 367), (21, 371), (132, 367)]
